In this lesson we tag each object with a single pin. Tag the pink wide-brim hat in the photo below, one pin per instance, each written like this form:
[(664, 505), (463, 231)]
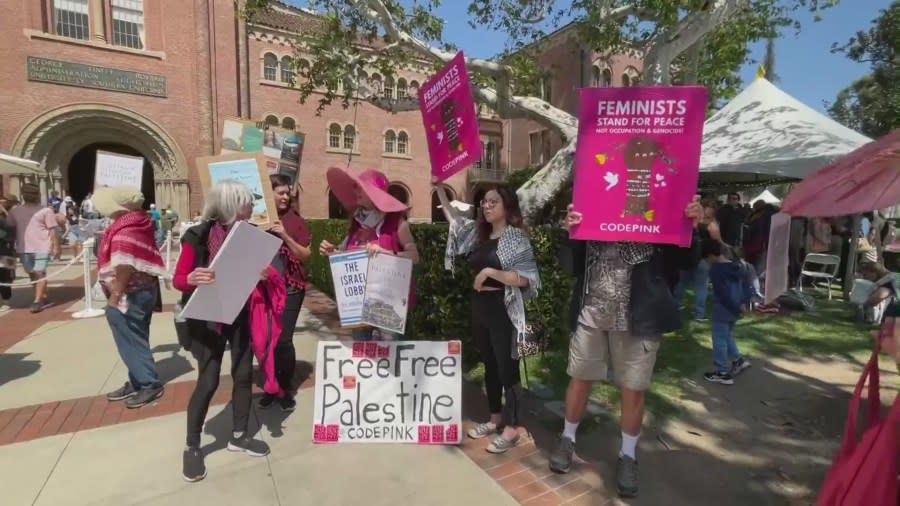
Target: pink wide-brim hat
[(374, 184)]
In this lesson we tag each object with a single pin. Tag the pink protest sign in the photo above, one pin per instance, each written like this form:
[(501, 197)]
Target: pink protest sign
[(451, 124), (637, 163)]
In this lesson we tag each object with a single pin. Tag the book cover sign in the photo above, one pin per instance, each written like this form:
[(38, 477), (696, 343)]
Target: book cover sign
[(450, 119), (637, 162)]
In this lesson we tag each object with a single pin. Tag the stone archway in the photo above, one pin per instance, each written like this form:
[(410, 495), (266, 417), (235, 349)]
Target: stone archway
[(56, 136)]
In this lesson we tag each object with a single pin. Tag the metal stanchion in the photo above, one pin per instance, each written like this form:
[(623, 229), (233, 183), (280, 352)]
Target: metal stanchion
[(169, 251), (89, 310)]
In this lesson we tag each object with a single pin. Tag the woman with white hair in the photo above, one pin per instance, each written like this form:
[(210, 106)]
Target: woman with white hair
[(227, 203)]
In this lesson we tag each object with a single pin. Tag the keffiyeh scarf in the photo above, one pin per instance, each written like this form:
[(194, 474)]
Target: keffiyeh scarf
[(129, 240)]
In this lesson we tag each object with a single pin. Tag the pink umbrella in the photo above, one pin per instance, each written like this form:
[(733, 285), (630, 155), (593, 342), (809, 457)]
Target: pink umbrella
[(865, 180)]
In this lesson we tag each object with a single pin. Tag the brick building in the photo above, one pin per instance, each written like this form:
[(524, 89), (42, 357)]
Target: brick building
[(157, 79)]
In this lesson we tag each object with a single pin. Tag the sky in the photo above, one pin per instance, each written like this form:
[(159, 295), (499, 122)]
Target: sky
[(805, 66)]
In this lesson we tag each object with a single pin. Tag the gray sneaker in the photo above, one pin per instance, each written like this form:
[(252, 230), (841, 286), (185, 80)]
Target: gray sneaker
[(501, 445), (627, 476), (561, 459), (482, 430)]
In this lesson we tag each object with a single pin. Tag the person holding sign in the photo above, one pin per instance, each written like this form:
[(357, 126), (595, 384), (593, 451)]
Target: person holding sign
[(621, 307), (378, 224), (292, 229), (506, 275), (227, 203)]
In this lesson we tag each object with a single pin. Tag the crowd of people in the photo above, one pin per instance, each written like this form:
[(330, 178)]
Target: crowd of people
[(626, 295)]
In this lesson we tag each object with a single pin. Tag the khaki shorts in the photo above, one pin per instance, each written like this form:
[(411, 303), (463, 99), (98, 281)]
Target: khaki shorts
[(594, 354)]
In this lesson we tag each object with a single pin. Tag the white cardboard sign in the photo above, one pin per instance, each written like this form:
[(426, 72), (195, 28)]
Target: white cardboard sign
[(114, 170), (387, 292), (388, 392)]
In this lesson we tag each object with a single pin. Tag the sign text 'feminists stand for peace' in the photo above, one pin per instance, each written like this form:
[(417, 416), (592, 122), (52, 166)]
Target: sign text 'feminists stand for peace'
[(388, 392), (450, 119), (637, 162)]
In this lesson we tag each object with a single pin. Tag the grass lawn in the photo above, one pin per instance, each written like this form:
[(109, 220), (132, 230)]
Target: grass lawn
[(829, 331)]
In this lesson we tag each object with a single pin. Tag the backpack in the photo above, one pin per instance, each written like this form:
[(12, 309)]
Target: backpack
[(796, 301), (864, 471)]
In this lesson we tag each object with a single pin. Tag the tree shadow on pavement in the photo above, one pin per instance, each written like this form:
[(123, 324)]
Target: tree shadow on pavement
[(221, 427), (273, 418), (14, 366)]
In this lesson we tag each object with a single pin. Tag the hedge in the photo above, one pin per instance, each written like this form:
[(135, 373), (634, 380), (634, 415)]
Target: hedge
[(442, 310)]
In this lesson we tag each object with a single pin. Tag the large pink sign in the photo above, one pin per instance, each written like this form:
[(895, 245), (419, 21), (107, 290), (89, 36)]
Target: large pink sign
[(451, 123), (637, 162)]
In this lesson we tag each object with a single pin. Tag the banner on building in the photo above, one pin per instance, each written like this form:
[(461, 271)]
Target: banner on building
[(348, 273), (450, 119), (388, 392), (114, 170), (386, 303), (282, 147), (637, 162), (248, 168)]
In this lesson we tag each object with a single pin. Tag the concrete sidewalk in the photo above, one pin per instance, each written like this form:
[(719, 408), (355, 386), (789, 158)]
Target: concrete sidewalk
[(139, 462)]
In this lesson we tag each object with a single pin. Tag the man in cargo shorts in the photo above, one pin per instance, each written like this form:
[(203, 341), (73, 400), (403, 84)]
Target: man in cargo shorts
[(621, 308)]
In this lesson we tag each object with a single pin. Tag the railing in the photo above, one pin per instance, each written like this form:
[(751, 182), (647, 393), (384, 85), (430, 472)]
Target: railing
[(480, 175)]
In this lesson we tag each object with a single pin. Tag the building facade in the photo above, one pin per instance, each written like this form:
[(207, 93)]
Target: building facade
[(157, 79)]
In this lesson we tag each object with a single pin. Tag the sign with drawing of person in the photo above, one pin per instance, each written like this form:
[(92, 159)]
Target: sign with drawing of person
[(637, 162)]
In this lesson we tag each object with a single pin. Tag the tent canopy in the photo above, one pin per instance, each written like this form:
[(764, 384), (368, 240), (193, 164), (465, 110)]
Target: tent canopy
[(765, 136), (766, 197), (14, 165)]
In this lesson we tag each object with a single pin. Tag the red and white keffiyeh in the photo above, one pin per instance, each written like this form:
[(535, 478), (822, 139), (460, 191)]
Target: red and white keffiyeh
[(130, 241)]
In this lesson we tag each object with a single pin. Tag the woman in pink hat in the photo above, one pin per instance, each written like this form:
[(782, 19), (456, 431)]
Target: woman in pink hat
[(378, 224)]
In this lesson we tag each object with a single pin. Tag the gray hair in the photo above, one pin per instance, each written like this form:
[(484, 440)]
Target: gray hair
[(224, 201)]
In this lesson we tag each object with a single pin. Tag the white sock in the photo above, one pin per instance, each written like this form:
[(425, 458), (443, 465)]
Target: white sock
[(237, 435), (570, 429), (629, 445)]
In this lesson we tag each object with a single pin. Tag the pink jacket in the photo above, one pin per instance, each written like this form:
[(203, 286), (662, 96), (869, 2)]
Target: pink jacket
[(266, 305)]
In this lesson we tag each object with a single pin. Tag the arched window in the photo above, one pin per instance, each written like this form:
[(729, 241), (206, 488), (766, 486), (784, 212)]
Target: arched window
[(631, 77), (390, 141), (272, 120), (287, 70), (270, 67), (289, 123), (607, 78), (349, 137), (336, 210), (399, 192), (414, 87), (626, 80), (595, 76), (375, 84), (389, 87), (403, 143), (334, 136), (489, 155), (401, 88)]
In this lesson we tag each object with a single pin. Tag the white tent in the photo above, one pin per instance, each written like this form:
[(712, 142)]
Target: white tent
[(14, 165), (765, 135), (767, 197)]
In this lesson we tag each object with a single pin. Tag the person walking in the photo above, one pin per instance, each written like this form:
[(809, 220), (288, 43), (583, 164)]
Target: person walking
[(36, 240), (707, 228), (7, 252), (129, 267), (292, 229), (621, 306), (506, 276), (378, 225), (226, 203)]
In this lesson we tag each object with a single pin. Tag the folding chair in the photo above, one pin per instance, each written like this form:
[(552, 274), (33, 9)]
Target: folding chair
[(829, 265)]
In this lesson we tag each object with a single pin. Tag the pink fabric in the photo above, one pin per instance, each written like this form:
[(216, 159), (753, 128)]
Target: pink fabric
[(864, 180), (34, 224), (343, 184), (387, 237), (265, 308)]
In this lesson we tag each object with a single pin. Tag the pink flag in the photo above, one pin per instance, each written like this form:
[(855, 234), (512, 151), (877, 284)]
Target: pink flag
[(451, 123), (637, 162)]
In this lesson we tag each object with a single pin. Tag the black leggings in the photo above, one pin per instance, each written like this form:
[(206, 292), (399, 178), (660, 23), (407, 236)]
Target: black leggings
[(6, 276), (208, 347), (285, 354), (494, 332)]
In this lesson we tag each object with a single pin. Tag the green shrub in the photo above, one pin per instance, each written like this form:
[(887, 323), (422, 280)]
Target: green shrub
[(442, 309)]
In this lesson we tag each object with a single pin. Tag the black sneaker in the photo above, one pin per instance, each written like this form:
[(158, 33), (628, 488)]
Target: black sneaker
[(723, 378), (561, 460), (248, 445), (36, 307), (144, 396), (627, 477), (126, 392), (740, 365), (266, 401), (288, 404), (193, 468)]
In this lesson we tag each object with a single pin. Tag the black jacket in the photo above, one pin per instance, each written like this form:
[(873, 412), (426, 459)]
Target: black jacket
[(653, 310)]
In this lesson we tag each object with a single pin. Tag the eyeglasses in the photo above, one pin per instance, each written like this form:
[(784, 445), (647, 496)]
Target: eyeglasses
[(489, 202)]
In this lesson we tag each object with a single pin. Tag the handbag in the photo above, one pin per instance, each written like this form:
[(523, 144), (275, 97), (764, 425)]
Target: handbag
[(533, 342), (864, 471)]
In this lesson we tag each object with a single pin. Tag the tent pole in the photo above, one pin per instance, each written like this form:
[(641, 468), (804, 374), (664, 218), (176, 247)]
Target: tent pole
[(850, 273)]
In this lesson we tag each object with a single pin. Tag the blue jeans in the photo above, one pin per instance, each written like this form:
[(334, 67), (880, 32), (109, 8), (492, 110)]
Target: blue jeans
[(131, 332), (725, 348), (700, 277)]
